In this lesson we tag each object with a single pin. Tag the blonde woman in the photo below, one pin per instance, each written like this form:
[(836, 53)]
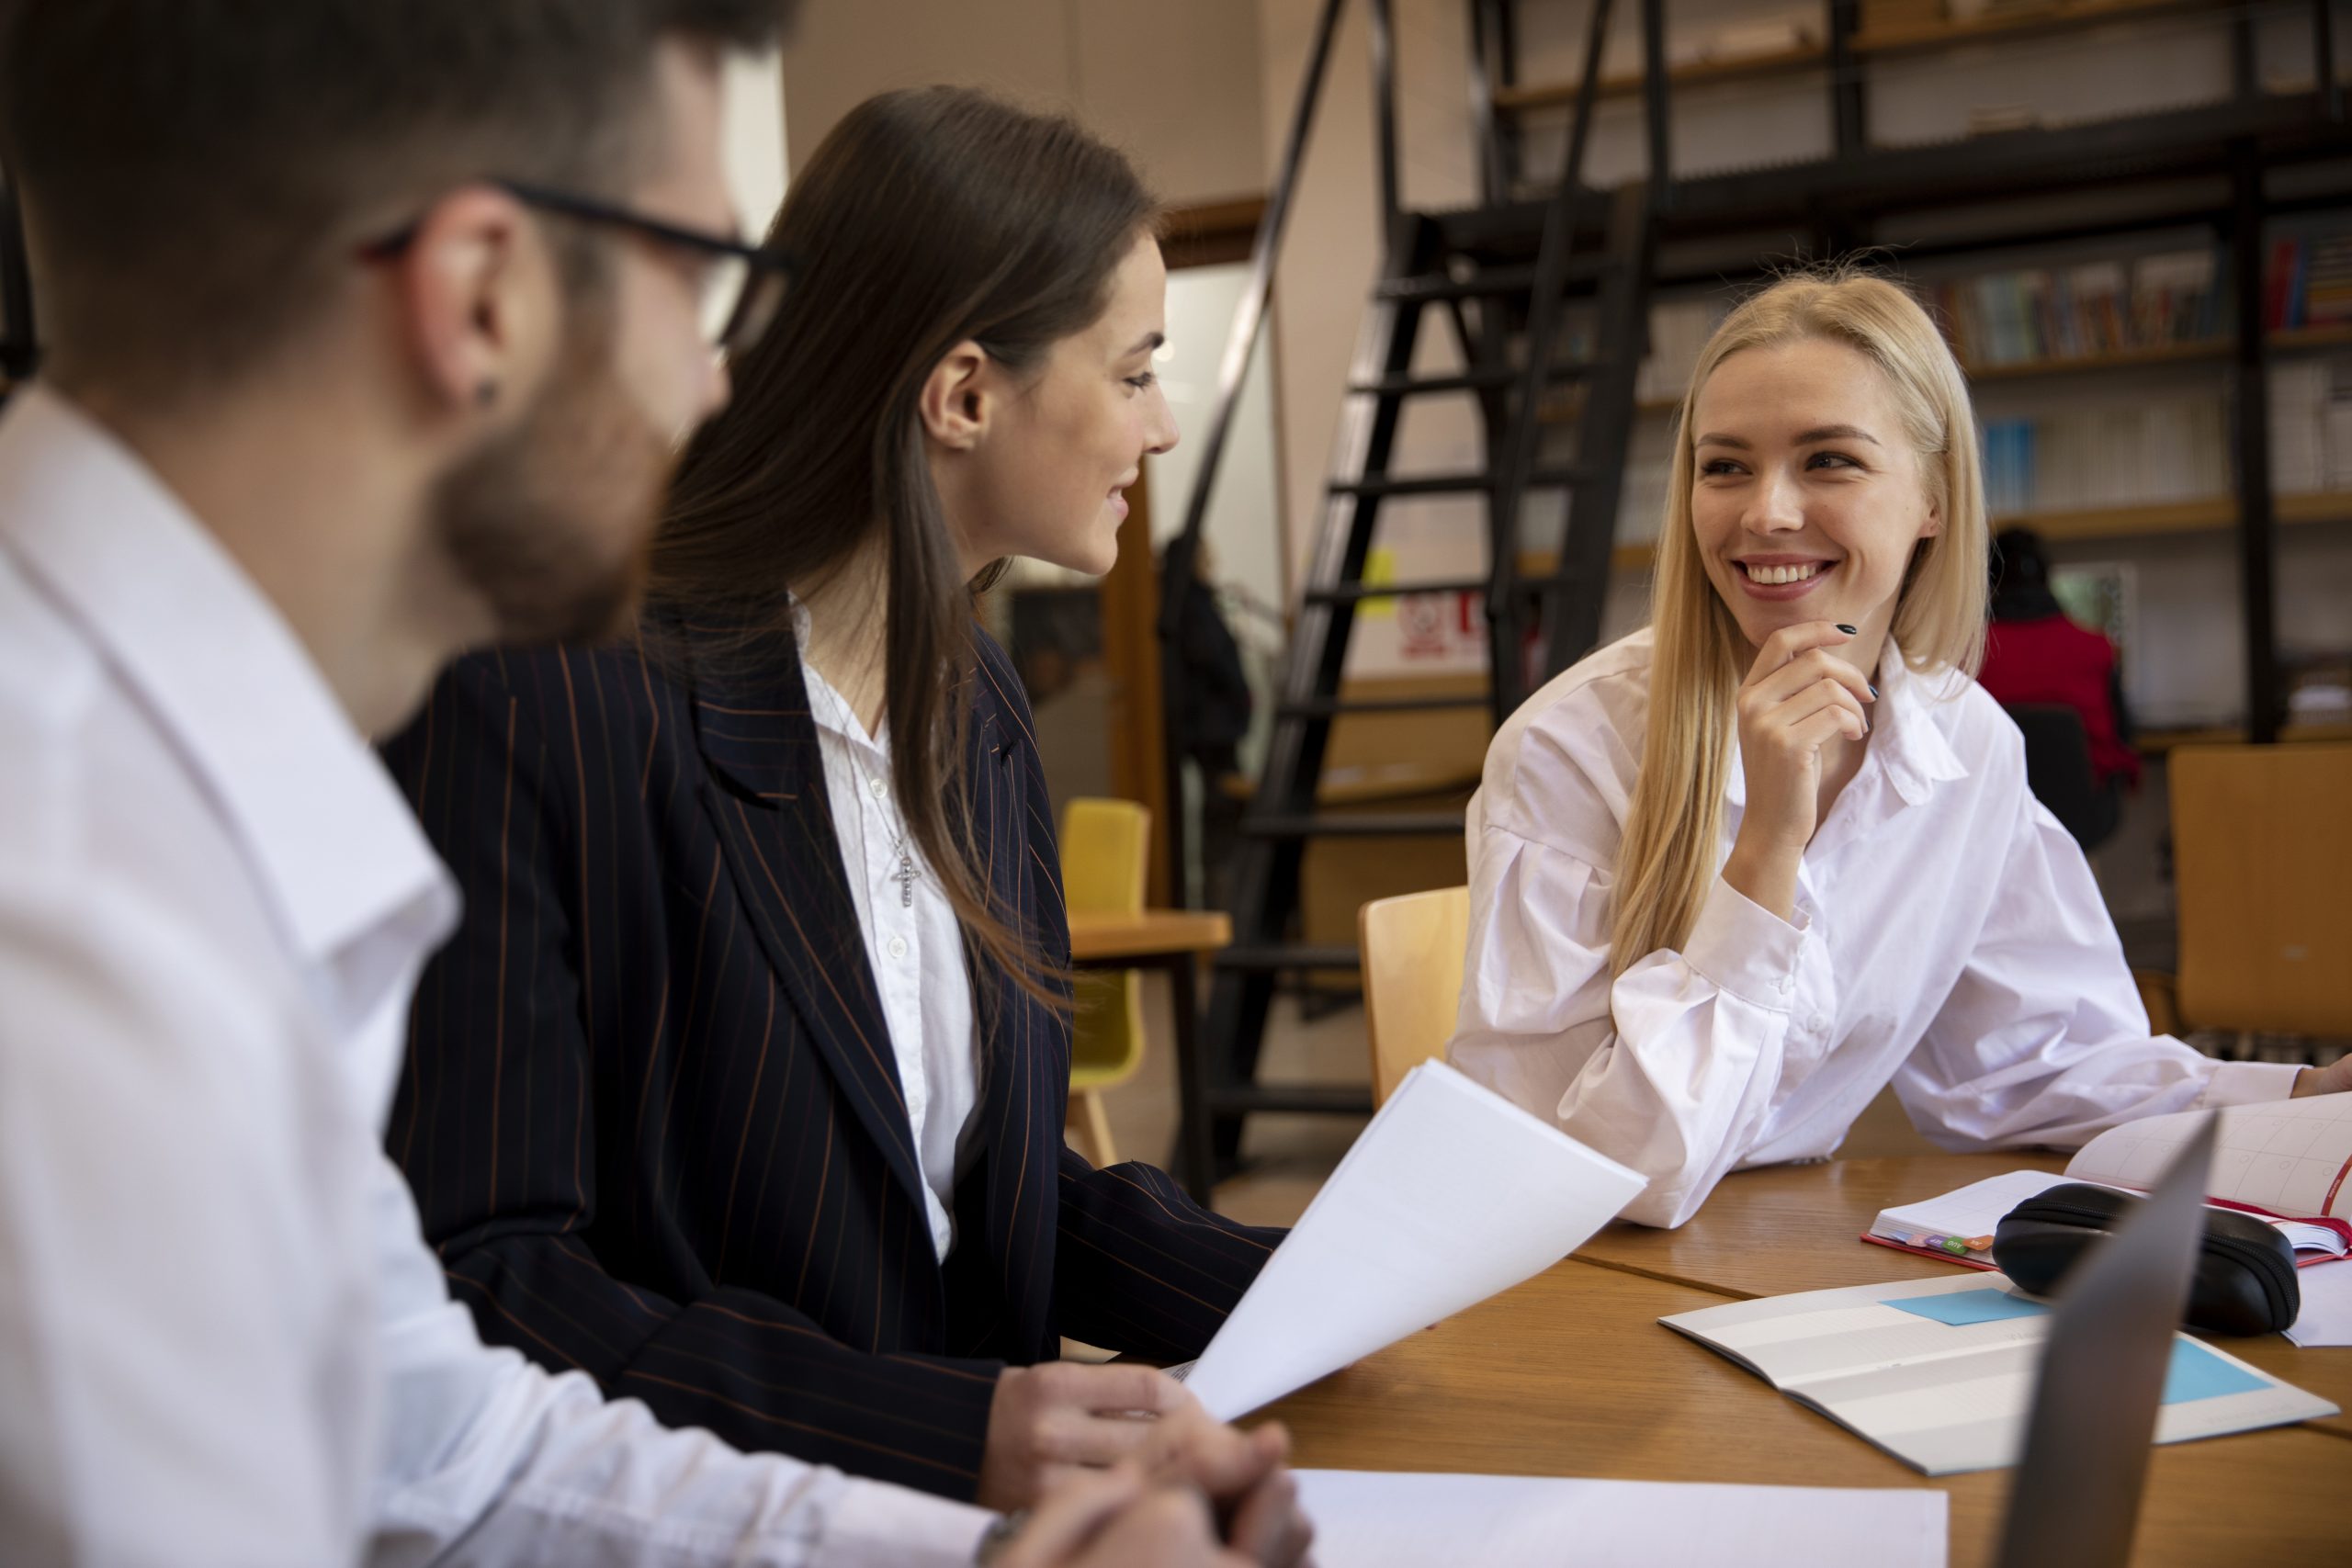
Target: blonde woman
[(1735, 873)]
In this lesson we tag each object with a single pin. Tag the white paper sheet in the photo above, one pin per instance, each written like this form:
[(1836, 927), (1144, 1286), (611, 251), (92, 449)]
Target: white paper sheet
[(2289, 1156), (2326, 1314), (1946, 1397), (1369, 1519), (1452, 1195)]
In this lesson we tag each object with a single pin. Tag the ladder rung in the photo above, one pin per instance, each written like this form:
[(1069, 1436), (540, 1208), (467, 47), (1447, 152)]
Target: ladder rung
[(1356, 825), (1332, 707), (1289, 955), (1486, 282), (1357, 592), (1471, 481), (1304, 1099), (1485, 379)]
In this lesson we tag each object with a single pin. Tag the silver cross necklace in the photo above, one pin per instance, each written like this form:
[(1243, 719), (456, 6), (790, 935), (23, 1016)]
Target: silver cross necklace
[(905, 875)]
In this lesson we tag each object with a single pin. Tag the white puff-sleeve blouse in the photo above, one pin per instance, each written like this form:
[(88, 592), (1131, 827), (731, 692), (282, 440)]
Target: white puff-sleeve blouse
[(1946, 937)]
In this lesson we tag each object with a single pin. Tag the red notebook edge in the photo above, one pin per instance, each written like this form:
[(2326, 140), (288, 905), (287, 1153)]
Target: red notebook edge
[(1972, 1261), (2342, 1227)]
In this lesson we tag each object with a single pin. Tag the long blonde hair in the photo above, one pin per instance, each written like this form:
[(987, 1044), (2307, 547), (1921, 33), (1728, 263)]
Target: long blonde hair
[(1675, 823)]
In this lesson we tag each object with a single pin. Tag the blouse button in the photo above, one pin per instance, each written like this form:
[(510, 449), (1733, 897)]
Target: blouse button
[(1820, 1024), (878, 787), (898, 947)]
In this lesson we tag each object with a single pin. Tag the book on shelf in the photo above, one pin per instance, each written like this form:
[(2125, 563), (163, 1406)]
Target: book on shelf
[(2311, 426), (2021, 316), (2308, 283), (2027, 315), (2155, 452)]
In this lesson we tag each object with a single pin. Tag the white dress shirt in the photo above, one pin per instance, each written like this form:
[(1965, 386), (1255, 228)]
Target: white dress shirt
[(222, 1337), (1946, 937), (913, 944)]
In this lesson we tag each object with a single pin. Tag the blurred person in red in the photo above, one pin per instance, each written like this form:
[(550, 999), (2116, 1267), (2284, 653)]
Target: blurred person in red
[(2036, 657)]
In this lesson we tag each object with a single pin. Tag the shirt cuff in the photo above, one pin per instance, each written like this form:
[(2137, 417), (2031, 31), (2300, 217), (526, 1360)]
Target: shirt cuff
[(2249, 1083), (877, 1526), (1745, 948)]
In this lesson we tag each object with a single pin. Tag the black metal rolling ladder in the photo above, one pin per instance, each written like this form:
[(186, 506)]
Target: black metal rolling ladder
[(1507, 298)]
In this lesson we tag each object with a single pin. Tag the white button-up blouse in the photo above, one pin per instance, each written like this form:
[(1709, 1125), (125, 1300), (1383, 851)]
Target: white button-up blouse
[(1946, 937), (913, 943)]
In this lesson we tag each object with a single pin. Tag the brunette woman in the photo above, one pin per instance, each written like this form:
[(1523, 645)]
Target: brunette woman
[(1732, 875), (742, 1087)]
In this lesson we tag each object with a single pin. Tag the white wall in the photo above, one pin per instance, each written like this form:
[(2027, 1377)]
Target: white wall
[(754, 146), (1174, 86), (1244, 531)]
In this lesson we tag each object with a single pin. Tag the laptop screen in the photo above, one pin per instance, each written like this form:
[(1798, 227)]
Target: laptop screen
[(2075, 1499)]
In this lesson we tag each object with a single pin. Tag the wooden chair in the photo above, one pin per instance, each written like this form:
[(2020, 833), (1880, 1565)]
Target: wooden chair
[(1412, 948), (2262, 869), (1105, 846)]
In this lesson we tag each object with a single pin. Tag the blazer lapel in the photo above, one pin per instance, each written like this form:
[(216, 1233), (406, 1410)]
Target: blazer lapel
[(1024, 1046), (766, 793)]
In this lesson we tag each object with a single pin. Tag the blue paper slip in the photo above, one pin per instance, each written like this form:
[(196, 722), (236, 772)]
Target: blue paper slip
[(2195, 1372), (1960, 1308), (2198, 1374)]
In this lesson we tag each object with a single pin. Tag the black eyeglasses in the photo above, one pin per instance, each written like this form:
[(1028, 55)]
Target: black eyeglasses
[(742, 286)]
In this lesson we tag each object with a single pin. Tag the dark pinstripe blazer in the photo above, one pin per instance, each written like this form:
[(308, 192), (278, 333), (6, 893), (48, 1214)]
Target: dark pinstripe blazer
[(651, 1113)]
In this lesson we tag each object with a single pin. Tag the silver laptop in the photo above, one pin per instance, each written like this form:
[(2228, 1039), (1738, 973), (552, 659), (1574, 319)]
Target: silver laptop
[(2075, 1499)]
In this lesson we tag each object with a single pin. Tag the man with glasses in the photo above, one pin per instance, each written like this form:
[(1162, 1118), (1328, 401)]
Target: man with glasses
[(374, 329)]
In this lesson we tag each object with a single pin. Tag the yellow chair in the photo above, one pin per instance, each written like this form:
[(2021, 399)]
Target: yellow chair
[(1413, 948), (2262, 856), (1105, 845)]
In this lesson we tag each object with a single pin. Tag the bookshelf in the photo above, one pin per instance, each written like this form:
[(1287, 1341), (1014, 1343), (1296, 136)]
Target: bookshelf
[(2294, 340), (2217, 515), (1759, 67), (2002, 26), (2146, 417), (2113, 359), (2310, 340), (1884, 40), (1562, 408)]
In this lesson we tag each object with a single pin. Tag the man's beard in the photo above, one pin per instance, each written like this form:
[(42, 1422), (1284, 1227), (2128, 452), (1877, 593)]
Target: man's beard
[(553, 521)]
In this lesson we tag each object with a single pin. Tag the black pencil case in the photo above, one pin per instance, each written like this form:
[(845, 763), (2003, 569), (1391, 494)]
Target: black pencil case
[(2245, 1269)]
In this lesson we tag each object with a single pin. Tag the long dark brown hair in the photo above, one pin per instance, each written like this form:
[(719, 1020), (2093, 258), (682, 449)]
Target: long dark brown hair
[(928, 219)]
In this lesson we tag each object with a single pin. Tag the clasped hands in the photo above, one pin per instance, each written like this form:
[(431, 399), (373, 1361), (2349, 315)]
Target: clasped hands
[(1124, 1469)]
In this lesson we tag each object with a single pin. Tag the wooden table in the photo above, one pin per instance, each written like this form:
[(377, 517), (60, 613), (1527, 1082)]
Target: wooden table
[(1169, 939), (1571, 1374)]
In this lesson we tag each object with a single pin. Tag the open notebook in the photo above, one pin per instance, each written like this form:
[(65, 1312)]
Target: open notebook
[(2286, 1162), (1949, 1375), (1940, 1373)]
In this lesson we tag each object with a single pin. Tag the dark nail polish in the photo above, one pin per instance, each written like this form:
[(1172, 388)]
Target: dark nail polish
[(1847, 629), (1874, 689)]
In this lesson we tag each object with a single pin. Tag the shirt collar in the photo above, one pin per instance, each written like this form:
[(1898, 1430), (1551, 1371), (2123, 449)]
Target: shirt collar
[(827, 707), (1907, 742), (223, 675), (1910, 743)]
